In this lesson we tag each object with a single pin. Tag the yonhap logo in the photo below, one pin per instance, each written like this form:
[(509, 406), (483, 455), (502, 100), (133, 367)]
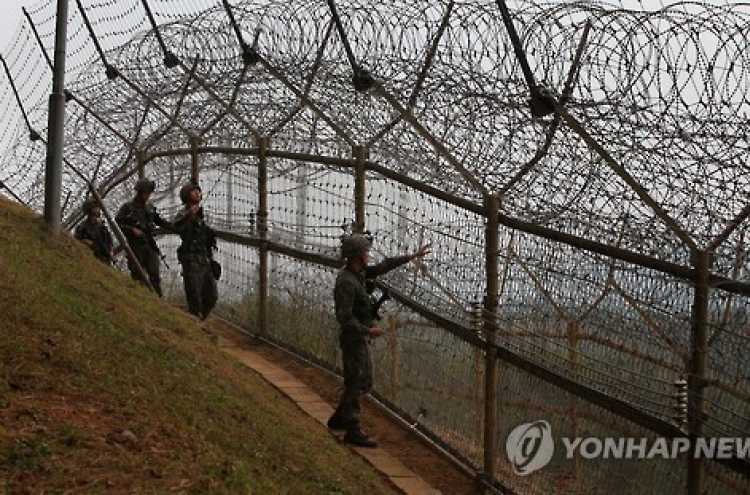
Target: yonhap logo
[(530, 447)]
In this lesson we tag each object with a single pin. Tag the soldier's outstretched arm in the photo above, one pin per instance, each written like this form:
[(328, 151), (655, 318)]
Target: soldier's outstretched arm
[(389, 264), (159, 220), (423, 251)]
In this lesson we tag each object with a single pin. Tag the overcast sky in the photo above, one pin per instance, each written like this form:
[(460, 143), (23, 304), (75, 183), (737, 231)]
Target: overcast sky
[(12, 16)]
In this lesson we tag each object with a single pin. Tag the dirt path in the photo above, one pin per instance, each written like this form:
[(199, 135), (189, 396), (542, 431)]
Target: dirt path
[(399, 441)]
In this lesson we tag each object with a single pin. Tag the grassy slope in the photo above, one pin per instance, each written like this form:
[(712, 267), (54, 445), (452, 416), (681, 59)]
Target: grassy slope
[(104, 388)]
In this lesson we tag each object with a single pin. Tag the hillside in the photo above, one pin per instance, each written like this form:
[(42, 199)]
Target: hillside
[(105, 388)]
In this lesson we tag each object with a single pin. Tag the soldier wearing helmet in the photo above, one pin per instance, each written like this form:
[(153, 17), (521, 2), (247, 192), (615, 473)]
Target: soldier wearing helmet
[(356, 319), (144, 185), (94, 233), (187, 189), (195, 254), (137, 219)]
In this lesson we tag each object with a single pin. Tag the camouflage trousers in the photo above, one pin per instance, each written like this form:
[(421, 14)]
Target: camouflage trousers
[(149, 261), (357, 379), (200, 285)]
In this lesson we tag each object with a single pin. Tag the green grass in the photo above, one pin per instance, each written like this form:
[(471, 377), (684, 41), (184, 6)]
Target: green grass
[(104, 388)]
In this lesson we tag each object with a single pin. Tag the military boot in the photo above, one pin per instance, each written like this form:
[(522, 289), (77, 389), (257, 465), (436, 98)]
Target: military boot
[(336, 422), (355, 436)]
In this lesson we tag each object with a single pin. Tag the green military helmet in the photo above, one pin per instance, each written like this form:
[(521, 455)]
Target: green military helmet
[(145, 185), (89, 205), (354, 245), (186, 190)]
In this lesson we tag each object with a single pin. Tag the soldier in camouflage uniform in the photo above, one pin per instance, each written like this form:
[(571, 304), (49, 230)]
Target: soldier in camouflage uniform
[(94, 234), (137, 219), (356, 319), (196, 253)]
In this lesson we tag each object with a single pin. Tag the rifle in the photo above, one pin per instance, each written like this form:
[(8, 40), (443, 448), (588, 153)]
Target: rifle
[(208, 235), (148, 233), (384, 296), (376, 305)]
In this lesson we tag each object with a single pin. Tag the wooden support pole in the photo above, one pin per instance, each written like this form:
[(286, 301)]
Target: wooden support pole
[(489, 327), (702, 261), (262, 219)]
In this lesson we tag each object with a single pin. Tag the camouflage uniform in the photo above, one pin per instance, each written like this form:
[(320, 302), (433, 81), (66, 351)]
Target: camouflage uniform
[(99, 234), (355, 316), (143, 216), (195, 255)]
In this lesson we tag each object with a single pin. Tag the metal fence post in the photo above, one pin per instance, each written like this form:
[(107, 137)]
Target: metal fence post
[(573, 401), (702, 261), (142, 158), (194, 158), (263, 235), (489, 327), (360, 156), (56, 127)]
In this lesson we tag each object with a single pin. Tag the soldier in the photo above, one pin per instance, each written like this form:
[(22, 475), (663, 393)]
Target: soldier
[(354, 313), (94, 234), (137, 219), (196, 253)]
